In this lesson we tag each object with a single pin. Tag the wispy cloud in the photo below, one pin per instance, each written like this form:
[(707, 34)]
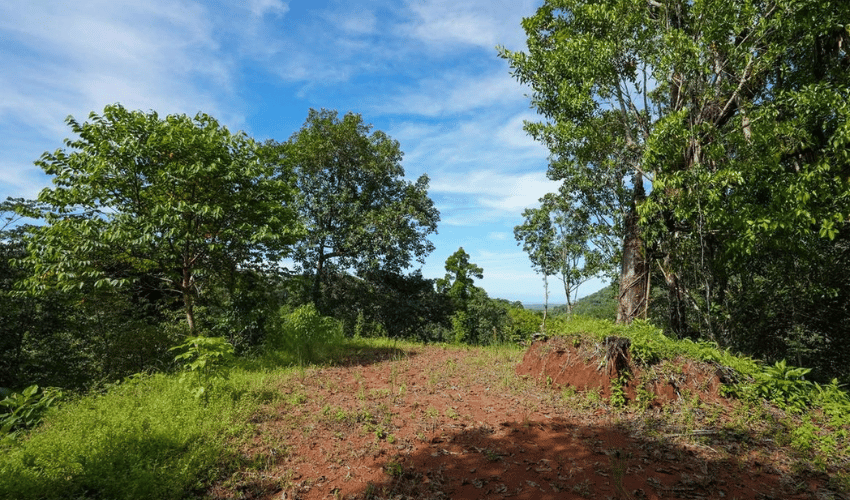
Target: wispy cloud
[(260, 8), (455, 93), (445, 24)]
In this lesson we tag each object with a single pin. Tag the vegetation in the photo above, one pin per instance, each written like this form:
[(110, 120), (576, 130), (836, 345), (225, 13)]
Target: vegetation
[(360, 213), (702, 148), (708, 142)]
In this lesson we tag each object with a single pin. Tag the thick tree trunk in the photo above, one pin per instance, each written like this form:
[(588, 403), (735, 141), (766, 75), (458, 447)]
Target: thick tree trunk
[(634, 275)]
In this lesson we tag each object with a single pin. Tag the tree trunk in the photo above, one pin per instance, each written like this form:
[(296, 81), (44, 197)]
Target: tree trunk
[(317, 280), (634, 275), (188, 304), (545, 302)]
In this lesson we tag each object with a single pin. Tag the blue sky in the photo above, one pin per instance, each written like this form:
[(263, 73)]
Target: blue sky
[(426, 72)]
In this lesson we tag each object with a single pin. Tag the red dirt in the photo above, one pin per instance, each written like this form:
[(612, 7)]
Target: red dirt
[(436, 422)]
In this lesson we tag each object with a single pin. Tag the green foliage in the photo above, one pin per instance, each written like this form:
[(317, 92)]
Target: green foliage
[(180, 200), (522, 323), (557, 237), (24, 410), (459, 278), (599, 305), (618, 393), (461, 329), (735, 115), (359, 211), (306, 334), (205, 361), (785, 385), (141, 440)]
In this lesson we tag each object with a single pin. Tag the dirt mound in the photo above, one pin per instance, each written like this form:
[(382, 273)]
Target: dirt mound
[(588, 366)]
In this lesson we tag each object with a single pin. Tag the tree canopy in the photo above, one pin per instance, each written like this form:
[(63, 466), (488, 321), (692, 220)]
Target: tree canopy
[(360, 212), (178, 198), (732, 115)]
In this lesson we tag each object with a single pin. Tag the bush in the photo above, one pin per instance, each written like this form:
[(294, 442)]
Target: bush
[(305, 334)]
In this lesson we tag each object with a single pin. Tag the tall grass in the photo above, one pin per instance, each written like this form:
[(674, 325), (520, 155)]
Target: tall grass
[(146, 438)]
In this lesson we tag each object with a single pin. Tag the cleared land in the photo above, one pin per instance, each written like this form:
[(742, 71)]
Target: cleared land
[(409, 421)]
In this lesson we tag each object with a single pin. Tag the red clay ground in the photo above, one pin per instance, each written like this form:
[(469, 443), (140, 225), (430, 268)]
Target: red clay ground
[(454, 423)]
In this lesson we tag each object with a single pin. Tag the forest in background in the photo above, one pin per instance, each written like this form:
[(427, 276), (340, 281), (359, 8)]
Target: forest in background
[(703, 154)]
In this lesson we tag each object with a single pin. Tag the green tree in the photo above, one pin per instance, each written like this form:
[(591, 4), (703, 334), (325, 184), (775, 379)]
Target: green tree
[(559, 240), (359, 211), (460, 277), (458, 286), (692, 98), (179, 199), (537, 236), (734, 114)]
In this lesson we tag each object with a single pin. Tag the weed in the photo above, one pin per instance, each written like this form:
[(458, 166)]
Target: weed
[(393, 468), (204, 360), (24, 410), (618, 394)]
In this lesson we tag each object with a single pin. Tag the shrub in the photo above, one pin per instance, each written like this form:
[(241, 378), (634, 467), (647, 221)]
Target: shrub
[(305, 334)]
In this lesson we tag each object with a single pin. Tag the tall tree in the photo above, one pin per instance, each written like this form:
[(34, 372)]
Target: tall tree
[(559, 240), (359, 211), (177, 198), (537, 236), (732, 113)]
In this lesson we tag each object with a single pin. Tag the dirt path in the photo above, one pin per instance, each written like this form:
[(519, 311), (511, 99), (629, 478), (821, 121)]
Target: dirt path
[(434, 422)]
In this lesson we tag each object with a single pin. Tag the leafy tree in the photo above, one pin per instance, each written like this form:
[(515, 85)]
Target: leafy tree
[(734, 113), (179, 199), (458, 285), (360, 212), (537, 236), (558, 238), (459, 280)]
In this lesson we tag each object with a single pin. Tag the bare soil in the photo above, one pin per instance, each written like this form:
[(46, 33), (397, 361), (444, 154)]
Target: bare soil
[(430, 422)]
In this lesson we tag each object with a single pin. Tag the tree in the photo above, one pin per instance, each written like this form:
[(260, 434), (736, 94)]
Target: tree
[(558, 238), (458, 285), (732, 113), (537, 236), (359, 211), (459, 279), (179, 199)]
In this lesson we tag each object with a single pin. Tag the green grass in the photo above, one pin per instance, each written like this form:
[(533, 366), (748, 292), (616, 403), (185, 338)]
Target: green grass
[(145, 438), (817, 416)]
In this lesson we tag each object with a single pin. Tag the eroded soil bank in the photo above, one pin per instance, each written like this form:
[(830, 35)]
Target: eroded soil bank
[(436, 422)]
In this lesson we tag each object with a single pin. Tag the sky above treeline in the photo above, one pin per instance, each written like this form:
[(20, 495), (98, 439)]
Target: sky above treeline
[(426, 72)]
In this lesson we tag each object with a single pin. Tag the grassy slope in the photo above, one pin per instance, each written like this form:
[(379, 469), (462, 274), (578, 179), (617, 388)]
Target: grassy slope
[(149, 438)]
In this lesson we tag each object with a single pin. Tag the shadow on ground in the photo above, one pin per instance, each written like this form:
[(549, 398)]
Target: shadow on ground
[(555, 459)]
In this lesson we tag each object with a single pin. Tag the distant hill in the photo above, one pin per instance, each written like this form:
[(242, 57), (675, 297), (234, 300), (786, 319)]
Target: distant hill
[(600, 305)]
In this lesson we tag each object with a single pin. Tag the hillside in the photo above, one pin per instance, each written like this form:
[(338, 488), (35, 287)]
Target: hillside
[(567, 418)]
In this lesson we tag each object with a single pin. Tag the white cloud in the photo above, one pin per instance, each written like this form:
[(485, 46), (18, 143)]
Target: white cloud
[(357, 21), (499, 236), (448, 23), (260, 8), (453, 94), (77, 57)]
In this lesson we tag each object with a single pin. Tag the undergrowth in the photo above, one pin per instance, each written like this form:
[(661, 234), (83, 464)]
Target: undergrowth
[(816, 421)]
